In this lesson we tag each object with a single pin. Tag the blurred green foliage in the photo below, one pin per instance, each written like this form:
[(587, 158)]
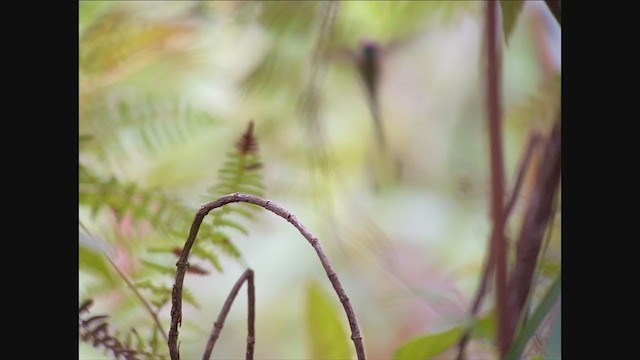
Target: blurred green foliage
[(326, 327)]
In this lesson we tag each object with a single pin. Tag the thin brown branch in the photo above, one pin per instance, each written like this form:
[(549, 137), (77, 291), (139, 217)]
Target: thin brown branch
[(217, 326), (535, 224), (532, 143), (182, 265), (554, 6), (153, 314), (124, 277), (477, 301), (494, 117)]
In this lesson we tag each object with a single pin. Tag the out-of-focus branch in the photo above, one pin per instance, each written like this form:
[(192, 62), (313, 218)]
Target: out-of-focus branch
[(554, 6), (535, 224)]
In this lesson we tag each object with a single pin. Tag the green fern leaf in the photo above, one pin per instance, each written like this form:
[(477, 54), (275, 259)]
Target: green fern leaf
[(241, 211), (163, 269), (239, 173), (207, 254), (189, 298), (229, 223), (222, 241)]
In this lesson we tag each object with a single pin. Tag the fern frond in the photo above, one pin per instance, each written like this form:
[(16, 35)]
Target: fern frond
[(239, 173), (142, 124), (219, 239), (207, 254), (162, 269), (161, 293), (229, 223), (94, 330), (242, 212), (153, 205), (118, 37)]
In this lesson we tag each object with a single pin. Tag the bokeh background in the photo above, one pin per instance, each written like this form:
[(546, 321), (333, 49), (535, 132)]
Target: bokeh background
[(167, 87)]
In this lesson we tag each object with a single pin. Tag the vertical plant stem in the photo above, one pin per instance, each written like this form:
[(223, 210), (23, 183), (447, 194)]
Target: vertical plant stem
[(534, 225), (533, 141), (182, 265), (494, 115), (217, 326)]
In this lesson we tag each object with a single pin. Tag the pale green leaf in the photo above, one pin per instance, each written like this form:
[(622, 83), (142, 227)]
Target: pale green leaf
[(511, 9), (485, 327), (326, 328)]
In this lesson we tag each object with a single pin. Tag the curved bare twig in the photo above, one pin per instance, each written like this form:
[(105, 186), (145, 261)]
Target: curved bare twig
[(182, 265)]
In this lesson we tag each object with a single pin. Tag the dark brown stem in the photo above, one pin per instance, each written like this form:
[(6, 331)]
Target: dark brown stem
[(498, 243), (251, 317), (182, 265), (554, 6), (217, 326), (532, 143), (534, 225)]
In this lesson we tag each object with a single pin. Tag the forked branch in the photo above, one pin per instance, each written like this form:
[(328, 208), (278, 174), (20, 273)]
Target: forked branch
[(217, 326), (182, 265)]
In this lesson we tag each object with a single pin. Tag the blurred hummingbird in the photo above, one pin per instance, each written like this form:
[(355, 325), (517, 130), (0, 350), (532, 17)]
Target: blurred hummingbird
[(368, 60), (368, 64)]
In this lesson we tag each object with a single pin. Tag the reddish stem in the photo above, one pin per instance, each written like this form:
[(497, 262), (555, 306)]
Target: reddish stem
[(498, 243)]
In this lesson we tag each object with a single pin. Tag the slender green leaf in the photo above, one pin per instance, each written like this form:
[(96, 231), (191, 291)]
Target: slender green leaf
[(326, 329), (511, 9), (539, 314), (485, 327), (428, 346)]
